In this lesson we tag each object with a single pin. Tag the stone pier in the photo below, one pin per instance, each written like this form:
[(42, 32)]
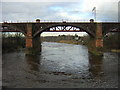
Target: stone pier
[(33, 44), (96, 44)]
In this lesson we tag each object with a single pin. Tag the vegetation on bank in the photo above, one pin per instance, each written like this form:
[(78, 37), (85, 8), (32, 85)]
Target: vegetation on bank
[(112, 42), (114, 50), (69, 39), (14, 42)]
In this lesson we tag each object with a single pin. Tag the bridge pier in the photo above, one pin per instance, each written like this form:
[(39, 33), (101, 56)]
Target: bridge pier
[(33, 45), (96, 44)]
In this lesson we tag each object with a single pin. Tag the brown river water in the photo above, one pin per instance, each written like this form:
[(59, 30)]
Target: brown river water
[(60, 66)]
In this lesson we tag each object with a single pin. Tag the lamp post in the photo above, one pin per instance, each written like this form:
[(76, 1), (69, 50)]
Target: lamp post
[(94, 12), (119, 11)]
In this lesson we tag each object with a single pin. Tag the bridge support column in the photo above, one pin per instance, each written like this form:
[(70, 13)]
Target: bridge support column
[(32, 43), (96, 44), (99, 37)]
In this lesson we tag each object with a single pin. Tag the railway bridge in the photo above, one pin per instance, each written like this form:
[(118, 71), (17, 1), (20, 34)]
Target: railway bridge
[(32, 31)]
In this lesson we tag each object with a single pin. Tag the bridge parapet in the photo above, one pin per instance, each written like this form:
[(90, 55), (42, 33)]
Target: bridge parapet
[(32, 31)]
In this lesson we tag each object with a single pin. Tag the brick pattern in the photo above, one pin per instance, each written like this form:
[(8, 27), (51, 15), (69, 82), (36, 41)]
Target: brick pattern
[(29, 41), (99, 37), (99, 43)]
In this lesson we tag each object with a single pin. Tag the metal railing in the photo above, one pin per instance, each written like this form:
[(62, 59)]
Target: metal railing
[(51, 21), (45, 21)]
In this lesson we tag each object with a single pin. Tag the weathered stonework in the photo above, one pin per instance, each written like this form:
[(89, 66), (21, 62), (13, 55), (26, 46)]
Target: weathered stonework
[(29, 42), (99, 36), (96, 44), (29, 36), (32, 43), (99, 43)]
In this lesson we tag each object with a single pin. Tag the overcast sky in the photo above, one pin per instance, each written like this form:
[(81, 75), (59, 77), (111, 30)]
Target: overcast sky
[(22, 10), (80, 10)]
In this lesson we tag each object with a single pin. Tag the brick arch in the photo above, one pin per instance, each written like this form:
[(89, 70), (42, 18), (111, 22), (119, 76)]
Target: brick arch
[(86, 29), (15, 28), (108, 27), (111, 30)]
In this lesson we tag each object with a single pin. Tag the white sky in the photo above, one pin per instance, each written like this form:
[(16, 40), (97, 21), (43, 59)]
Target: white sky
[(69, 10)]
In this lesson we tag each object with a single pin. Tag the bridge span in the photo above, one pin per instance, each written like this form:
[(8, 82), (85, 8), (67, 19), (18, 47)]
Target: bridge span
[(32, 31)]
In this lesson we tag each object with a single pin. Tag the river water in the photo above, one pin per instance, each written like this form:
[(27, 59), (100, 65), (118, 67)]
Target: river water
[(60, 66)]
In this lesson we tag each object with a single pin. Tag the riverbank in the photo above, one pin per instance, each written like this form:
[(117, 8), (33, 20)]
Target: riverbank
[(63, 41), (79, 43), (114, 50), (69, 42), (111, 50)]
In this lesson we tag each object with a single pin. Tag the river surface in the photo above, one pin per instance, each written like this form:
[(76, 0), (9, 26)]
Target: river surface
[(60, 66)]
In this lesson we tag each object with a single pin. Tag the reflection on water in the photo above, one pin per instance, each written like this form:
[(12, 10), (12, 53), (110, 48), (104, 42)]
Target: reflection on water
[(54, 59), (33, 62), (60, 65), (94, 69), (67, 58), (95, 65)]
